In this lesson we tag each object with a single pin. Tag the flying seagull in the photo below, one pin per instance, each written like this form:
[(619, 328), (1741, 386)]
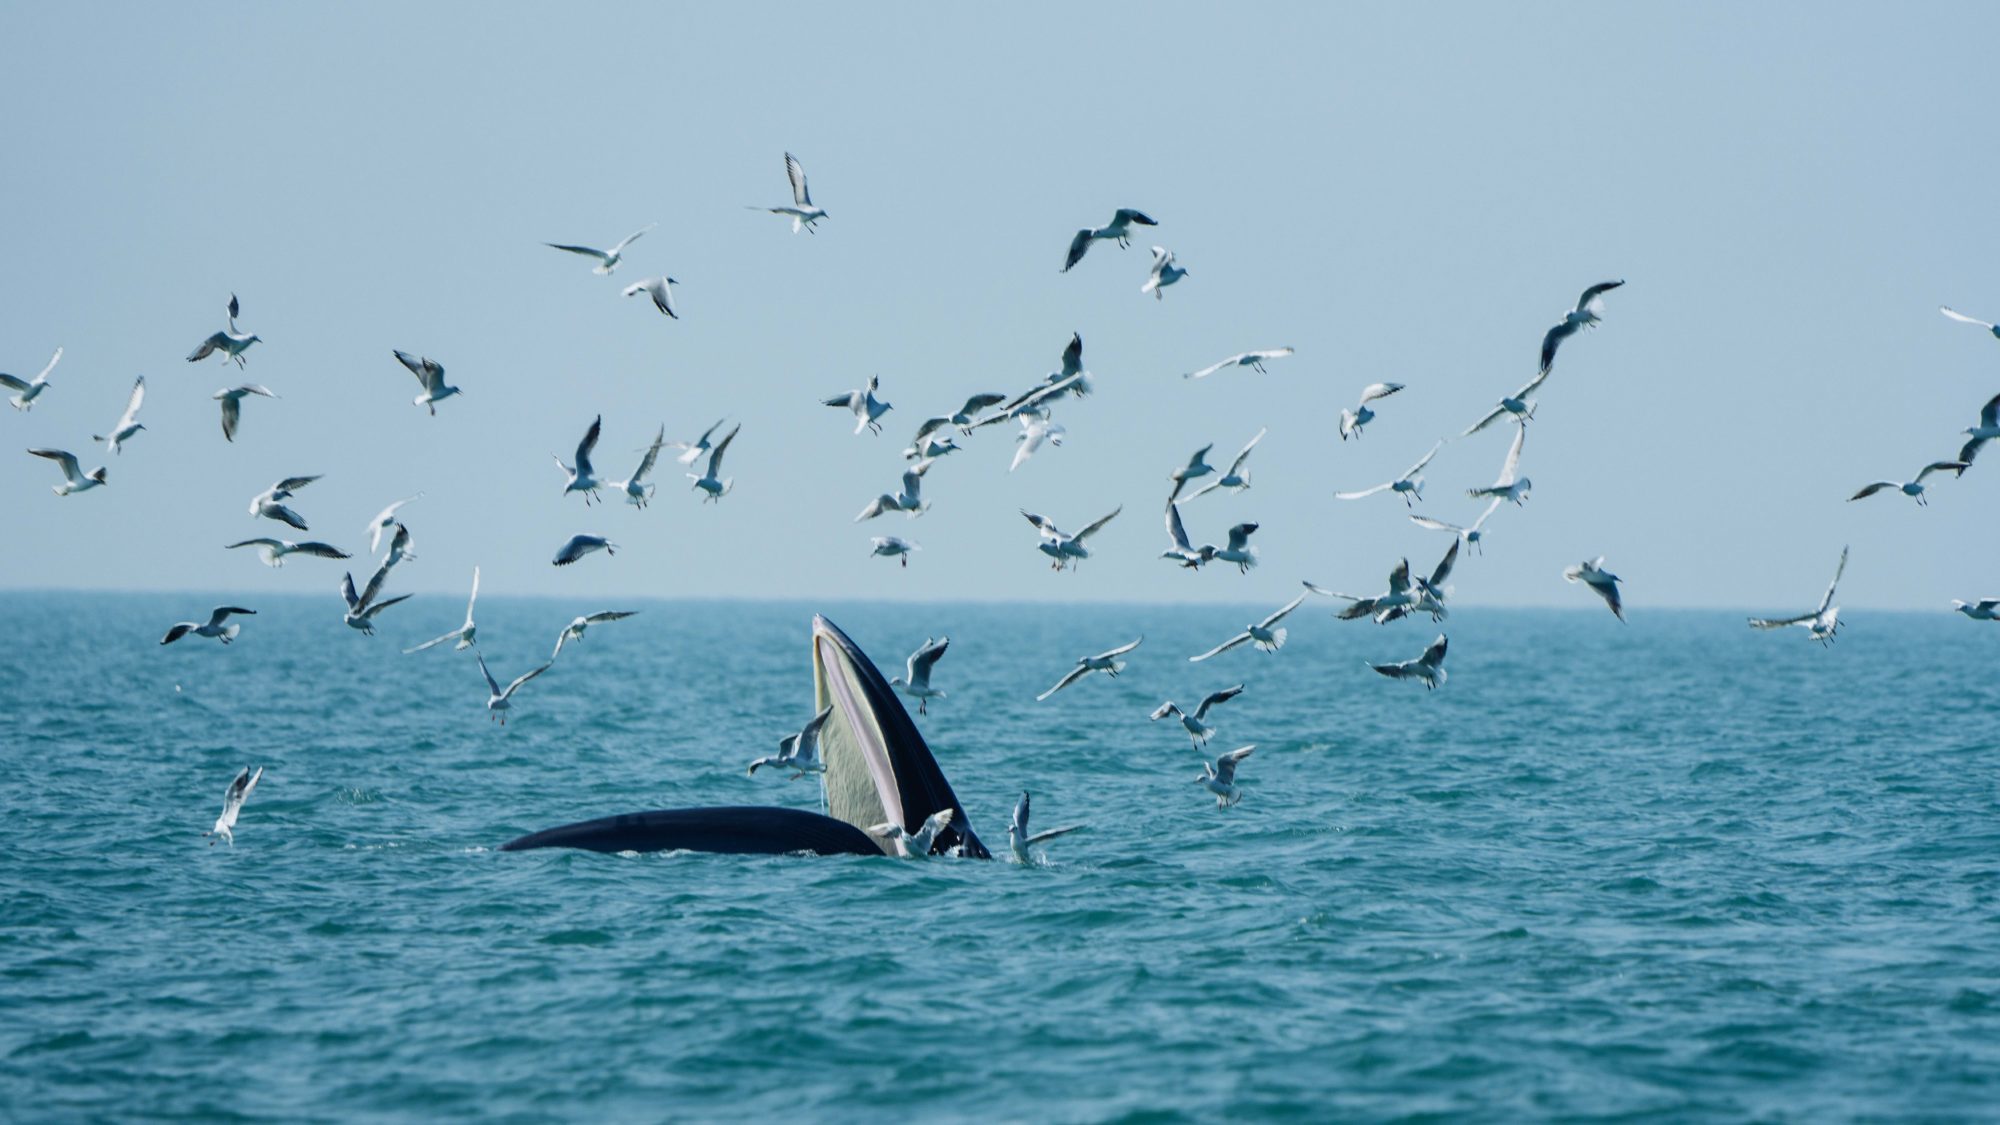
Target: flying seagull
[(1410, 486), (1429, 667), (1196, 725), (268, 503), (868, 409), (691, 451), (1018, 839), (1118, 230), (273, 551), (383, 521), (232, 804), (1914, 488), (1351, 421), (1072, 367), (910, 501), (399, 546), (230, 343), (916, 679), (658, 289), (713, 486), (915, 845), (1267, 635), (1516, 404), (575, 630), (1430, 592), (1470, 536), (1035, 429), (1179, 549), (128, 422), (232, 405), (1105, 662), (362, 608), (500, 700), (1219, 776), (1987, 429), (1400, 595), (893, 547), (1588, 312), (582, 478), (430, 375), (1602, 582), (581, 545), (1822, 623), (1032, 402), (1238, 550), (1164, 273), (1985, 609), (964, 417), (1197, 466), (213, 627), (1062, 547), (638, 492), (26, 391), (802, 211), (607, 260), (1253, 360), (1236, 477), (799, 752), (467, 634), (1511, 486), (1964, 319)]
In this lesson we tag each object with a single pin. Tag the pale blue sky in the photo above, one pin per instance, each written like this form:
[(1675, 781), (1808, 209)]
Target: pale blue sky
[(1402, 193)]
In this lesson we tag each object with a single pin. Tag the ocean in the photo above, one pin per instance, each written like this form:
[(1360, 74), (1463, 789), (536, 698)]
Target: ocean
[(1675, 870)]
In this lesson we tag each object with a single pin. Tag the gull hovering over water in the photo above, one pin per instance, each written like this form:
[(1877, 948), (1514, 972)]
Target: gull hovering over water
[(868, 409), (362, 608), (638, 492), (893, 547), (1105, 662), (26, 391), (1118, 230), (1985, 609), (799, 752), (384, 520), (232, 804), (229, 342), (213, 627), (1602, 582), (715, 487), (1253, 360), (1470, 536), (1238, 550), (1351, 421), (581, 545), (582, 478), (909, 501), (128, 422), (575, 630), (1236, 478), (1914, 489), (1822, 623), (1964, 319), (1429, 667), (1062, 547), (607, 260), (467, 634), (1987, 429), (430, 375), (1196, 725), (1165, 273), (1197, 466), (915, 845), (273, 551), (74, 478), (267, 503), (1408, 486), (802, 211), (1179, 549), (1511, 486), (916, 679), (1516, 404), (500, 700), (1018, 839), (659, 289), (232, 405), (1265, 634), (691, 451), (1219, 776), (1588, 312)]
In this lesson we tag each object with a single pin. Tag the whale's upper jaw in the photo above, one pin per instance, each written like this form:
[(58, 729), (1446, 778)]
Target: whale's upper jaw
[(878, 768)]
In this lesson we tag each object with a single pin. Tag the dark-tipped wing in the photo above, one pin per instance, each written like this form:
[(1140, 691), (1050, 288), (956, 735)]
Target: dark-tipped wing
[(1078, 247), (1215, 697), (796, 172), (589, 443)]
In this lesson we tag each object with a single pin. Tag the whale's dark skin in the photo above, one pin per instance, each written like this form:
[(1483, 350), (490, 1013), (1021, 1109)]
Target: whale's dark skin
[(732, 830)]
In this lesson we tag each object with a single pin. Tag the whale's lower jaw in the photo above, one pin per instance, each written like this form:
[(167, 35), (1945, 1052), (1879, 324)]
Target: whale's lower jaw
[(731, 830)]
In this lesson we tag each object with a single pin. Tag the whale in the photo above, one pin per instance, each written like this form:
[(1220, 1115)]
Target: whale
[(879, 771)]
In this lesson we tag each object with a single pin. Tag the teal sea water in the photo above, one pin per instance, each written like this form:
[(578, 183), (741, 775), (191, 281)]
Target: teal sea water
[(1670, 871)]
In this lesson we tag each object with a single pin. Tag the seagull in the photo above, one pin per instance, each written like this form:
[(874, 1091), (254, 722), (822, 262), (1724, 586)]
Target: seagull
[(361, 610), (657, 288), (1429, 667), (1219, 776), (1072, 367), (1822, 623), (273, 551), (930, 447), (1018, 840), (1064, 548), (916, 679), (1602, 582), (1510, 486), (1238, 550), (1188, 556), (582, 478), (799, 752), (128, 422), (607, 260), (893, 547), (1399, 597), (267, 503), (581, 545), (232, 405), (1987, 429), (716, 487), (1430, 593), (1240, 359), (1516, 404), (1105, 662), (229, 342), (1196, 725), (1197, 466), (383, 521), (802, 211), (429, 373), (909, 501), (1588, 312), (1165, 273), (1914, 488), (1118, 230), (213, 627), (27, 391), (1033, 401), (232, 804), (691, 451), (467, 634), (1470, 536), (867, 409), (1408, 485), (1265, 634), (1236, 477), (1035, 429), (577, 627), (637, 492), (915, 845), (501, 700), (1351, 421), (963, 417), (1964, 319), (399, 546), (1985, 609)]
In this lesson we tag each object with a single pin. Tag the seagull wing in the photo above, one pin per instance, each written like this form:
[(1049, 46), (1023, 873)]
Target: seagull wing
[(1126, 216), (232, 413), (589, 443), (62, 457), (1078, 247), (208, 347), (922, 660), (652, 455), (492, 684), (586, 251), (1596, 291), (1780, 622), (1434, 655), (1961, 317), (629, 239), (13, 383), (1280, 615), (1215, 697), (1225, 646), (796, 172), (1072, 356), (1373, 391), (1512, 465), (374, 586), (1989, 415), (1225, 766), (1175, 529), (474, 599), (1436, 524), (602, 616), (1363, 492), (1071, 677), (1837, 572), (1399, 578), (1239, 535), (1120, 650), (435, 641), (1043, 837), (931, 426), (319, 550), (1443, 571), (1874, 487), (1093, 528), (1485, 420), (1242, 455), (973, 406), (721, 447), (221, 613), (525, 676), (132, 404), (1214, 367), (1490, 509), (347, 592), (1425, 460), (1941, 466)]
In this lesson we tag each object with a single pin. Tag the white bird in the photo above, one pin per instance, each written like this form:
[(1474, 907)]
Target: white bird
[(915, 845), (1035, 429), (232, 804), (1588, 312), (1118, 230), (1197, 466), (930, 447), (1987, 429), (1914, 489), (799, 752), (607, 260), (709, 482), (268, 503), (691, 451), (1164, 273), (273, 551), (1429, 667), (1236, 477), (1410, 486), (430, 375), (1072, 368), (362, 608), (1018, 839), (128, 422), (915, 681), (1985, 609), (893, 547), (26, 391), (1238, 550), (1196, 725), (802, 211), (1516, 405), (638, 492), (1822, 623), (1511, 486), (1032, 402), (1255, 360), (1106, 662), (1179, 549), (577, 627), (399, 546), (1267, 635), (658, 288), (1219, 776), (1351, 421), (1602, 582), (909, 501), (213, 627), (1429, 593), (500, 700), (868, 409), (384, 520), (1401, 595), (1964, 319), (1062, 547), (582, 478), (581, 545), (964, 418), (1470, 536), (230, 342), (467, 634), (232, 405)]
